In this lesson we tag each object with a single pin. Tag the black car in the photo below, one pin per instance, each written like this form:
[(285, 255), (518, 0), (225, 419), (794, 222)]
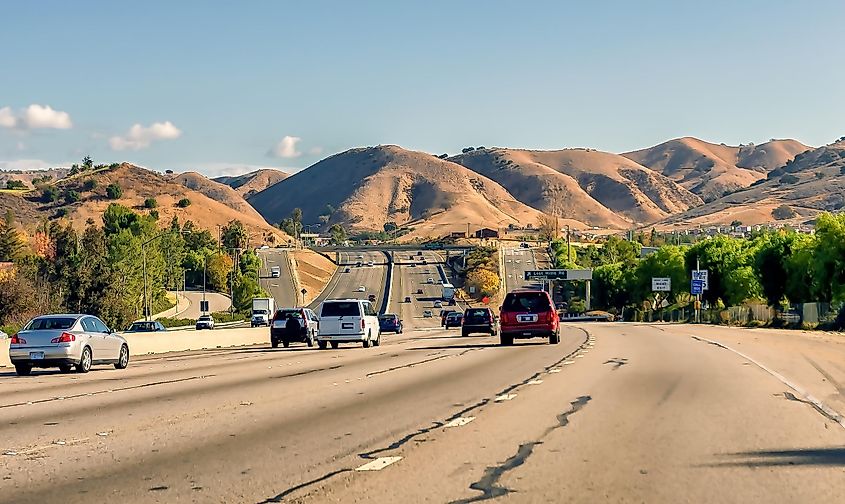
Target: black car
[(478, 320), (390, 322), (291, 325)]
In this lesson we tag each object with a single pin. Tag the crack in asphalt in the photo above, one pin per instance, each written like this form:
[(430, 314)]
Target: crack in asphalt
[(563, 420), (617, 362), (489, 486), (306, 372), (98, 392)]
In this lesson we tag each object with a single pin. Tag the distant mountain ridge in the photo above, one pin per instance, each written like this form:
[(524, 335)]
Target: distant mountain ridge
[(253, 182)]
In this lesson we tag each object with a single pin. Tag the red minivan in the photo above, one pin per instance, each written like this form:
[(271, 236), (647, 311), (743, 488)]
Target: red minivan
[(528, 314)]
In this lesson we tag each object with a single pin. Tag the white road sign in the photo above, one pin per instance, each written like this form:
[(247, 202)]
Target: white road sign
[(661, 284), (701, 275)]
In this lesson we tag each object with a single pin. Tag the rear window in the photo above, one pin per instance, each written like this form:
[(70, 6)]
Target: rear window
[(532, 302), (476, 312), (46, 323), (387, 317), (340, 309), (283, 314)]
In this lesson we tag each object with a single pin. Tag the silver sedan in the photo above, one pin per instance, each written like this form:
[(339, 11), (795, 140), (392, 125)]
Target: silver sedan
[(66, 341)]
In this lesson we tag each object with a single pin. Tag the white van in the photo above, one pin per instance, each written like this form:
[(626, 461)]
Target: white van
[(348, 321)]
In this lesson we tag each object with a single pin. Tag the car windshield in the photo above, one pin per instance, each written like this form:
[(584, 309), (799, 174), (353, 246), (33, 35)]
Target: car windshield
[(527, 301), (205, 318), (47, 323), (340, 309)]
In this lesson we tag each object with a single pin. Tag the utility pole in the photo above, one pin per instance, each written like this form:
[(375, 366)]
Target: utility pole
[(568, 245), (144, 255), (219, 235)]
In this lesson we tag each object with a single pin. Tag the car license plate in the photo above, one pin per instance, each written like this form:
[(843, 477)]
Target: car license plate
[(36, 355), (278, 324), (346, 325), (527, 318)]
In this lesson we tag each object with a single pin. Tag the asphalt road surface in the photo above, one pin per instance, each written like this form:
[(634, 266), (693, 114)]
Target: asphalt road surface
[(282, 289), (614, 413), (409, 280), (517, 262), (216, 303), (345, 285)]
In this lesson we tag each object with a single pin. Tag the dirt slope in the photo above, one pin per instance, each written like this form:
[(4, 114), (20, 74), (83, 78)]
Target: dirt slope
[(710, 170), (598, 188), (370, 186), (215, 190), (253, 182), (26, 176), (812, 183)]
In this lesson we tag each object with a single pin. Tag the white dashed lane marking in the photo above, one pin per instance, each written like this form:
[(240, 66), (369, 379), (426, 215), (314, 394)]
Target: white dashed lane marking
[(378, 464), (535, 382), (460, 421), (505, 397)]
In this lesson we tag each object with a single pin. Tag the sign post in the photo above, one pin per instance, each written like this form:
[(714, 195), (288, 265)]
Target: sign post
[(698, 285)]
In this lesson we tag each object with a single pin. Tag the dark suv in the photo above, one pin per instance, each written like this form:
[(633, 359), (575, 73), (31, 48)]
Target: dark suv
[(528, 314), (478, 320), (389, 322), (290, 325)]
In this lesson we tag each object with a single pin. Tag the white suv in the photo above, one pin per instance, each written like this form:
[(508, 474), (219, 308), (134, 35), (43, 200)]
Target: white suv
[(348, 321)]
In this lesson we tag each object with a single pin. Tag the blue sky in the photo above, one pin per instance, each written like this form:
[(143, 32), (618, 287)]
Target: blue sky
[(218, 86)]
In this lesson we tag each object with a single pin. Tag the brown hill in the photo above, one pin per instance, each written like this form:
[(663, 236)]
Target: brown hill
[(368, 187), (598, 188), (214, 190), (27, 176), (711, 170), (253, 182), (813, 182), (138, 184)]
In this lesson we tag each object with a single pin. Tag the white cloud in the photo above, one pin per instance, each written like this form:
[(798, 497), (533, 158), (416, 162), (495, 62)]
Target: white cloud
[(139, 137), (26, 164), (286, 148), (7, 118), (37, 116)]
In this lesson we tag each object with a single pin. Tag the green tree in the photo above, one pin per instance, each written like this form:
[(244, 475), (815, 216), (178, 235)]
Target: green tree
[(390, 227), (610, 286), (11, 245), (150, 203), (49, 194), (829, 264), (218, 270), (15, 184), (114, 191), (338, 234), (772, 257), (234, 235), (87, 163), (668, 261), (183, 203), (89, 185), (72, 196)]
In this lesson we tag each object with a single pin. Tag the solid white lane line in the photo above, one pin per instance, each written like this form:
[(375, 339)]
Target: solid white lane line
[(378, 464), (504, 397), (460, 421), (825, 409)]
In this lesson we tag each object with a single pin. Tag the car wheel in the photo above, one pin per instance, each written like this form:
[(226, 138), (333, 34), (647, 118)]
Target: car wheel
[(310, 341), (335, 344), (65, 368), (322, 345), (377, 342), (84, 361), (506, 339), (274, 343), (464, 333), (123, 360), (285, 343), (366, 342), (23, 369), (554, 338)]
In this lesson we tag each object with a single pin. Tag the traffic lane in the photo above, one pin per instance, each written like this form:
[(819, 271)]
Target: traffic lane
[(517, 262), (216, 302), (413, 278), (250, 443), (282, 289), (642, 416)]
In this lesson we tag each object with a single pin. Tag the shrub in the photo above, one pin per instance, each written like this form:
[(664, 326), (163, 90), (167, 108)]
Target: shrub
[(789, 179), (49, 194), (819, 175), (15, 184), (61, 212), (783, 212), (89, 185), (114, 191), (184, 203), (72, 196), (176, 322), (150, 203)]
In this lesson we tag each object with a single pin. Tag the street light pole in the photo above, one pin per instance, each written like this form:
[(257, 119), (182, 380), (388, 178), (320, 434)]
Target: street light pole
[(144, 255)]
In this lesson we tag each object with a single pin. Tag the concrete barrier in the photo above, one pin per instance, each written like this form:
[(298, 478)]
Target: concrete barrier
[(178, 341), (182, 340), (4, 353)]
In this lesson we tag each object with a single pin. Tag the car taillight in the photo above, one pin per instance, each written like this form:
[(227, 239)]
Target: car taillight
[(17, 340), (362, 324), (64, 338)]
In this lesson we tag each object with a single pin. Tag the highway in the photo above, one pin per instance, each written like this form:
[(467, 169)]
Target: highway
[(408, 280), (517, 262), (345, 285), (615, 413), (282, 289)]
